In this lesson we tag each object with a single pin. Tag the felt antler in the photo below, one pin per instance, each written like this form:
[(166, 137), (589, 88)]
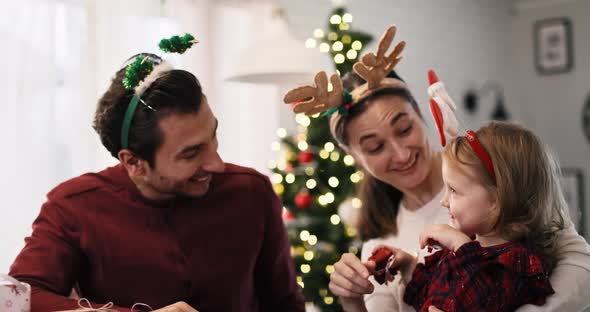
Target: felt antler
[(373, 68), (316, 99)]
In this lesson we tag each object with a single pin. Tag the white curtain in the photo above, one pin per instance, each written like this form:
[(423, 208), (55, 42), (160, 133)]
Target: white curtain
[(58, 58), (34, 83)]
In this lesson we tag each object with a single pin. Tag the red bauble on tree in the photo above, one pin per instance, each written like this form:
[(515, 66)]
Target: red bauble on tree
[(305, 157), (289, 167), (288, 216), (303, 200)]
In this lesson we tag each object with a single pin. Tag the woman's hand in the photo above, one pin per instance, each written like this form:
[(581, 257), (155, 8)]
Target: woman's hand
[(350, 278), (350, 281), (443, 234)]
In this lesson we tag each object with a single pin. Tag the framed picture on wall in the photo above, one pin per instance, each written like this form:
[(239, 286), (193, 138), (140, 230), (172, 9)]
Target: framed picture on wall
[(553, 45), (572, 183)]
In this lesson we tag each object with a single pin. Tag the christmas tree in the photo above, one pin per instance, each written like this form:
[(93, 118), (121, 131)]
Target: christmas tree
[(316, 180)]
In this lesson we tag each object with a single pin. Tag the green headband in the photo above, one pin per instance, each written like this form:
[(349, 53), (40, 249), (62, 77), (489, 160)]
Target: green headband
[(139, 70), (127, 121)]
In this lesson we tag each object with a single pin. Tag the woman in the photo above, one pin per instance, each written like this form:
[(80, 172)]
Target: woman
[(401, 194)]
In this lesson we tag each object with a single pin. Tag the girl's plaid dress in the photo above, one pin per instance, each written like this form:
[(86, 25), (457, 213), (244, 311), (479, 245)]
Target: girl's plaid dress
[(475, 278)]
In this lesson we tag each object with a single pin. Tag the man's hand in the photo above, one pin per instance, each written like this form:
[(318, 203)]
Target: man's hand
[(443, 234), (177, 307)]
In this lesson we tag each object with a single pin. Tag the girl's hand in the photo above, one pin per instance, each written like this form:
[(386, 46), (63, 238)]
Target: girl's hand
[(443, 234), (402, 259)]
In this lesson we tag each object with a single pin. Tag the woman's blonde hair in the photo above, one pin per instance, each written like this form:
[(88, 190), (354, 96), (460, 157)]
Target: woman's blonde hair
[(526, 185)]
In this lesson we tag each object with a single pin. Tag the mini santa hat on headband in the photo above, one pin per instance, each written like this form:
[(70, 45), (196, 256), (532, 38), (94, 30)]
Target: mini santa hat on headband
[(442, 108), (443, 111)]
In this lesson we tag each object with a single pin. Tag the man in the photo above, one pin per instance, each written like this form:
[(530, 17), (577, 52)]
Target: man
[(171, 225)]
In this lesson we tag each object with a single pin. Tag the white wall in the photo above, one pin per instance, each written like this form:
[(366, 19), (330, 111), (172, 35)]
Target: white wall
[(552, 105), (463, 40)]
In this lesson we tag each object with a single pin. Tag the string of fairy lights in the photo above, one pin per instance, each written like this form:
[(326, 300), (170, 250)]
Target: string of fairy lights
[(328, 151), (343, 47)]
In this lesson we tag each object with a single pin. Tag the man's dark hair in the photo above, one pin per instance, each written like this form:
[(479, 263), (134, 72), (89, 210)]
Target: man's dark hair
[(174, 92)]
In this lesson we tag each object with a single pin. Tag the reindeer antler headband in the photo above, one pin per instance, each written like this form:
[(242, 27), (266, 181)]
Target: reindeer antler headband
[(372, 67)]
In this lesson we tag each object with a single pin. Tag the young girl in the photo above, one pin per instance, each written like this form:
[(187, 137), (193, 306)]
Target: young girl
[(498, 250)]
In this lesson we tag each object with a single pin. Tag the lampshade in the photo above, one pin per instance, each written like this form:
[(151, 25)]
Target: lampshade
[(278, 58)]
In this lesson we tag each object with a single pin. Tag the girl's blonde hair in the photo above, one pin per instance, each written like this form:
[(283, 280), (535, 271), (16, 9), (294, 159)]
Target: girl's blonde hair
[(527, 183)]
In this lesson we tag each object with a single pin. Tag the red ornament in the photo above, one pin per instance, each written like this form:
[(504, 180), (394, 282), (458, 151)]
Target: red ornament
[(289, 167), (303, 200), (288, 216), (383, 258), (305, 157)]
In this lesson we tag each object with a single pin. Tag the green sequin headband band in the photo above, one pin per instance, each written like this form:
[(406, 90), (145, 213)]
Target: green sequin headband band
[(138, 72)]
